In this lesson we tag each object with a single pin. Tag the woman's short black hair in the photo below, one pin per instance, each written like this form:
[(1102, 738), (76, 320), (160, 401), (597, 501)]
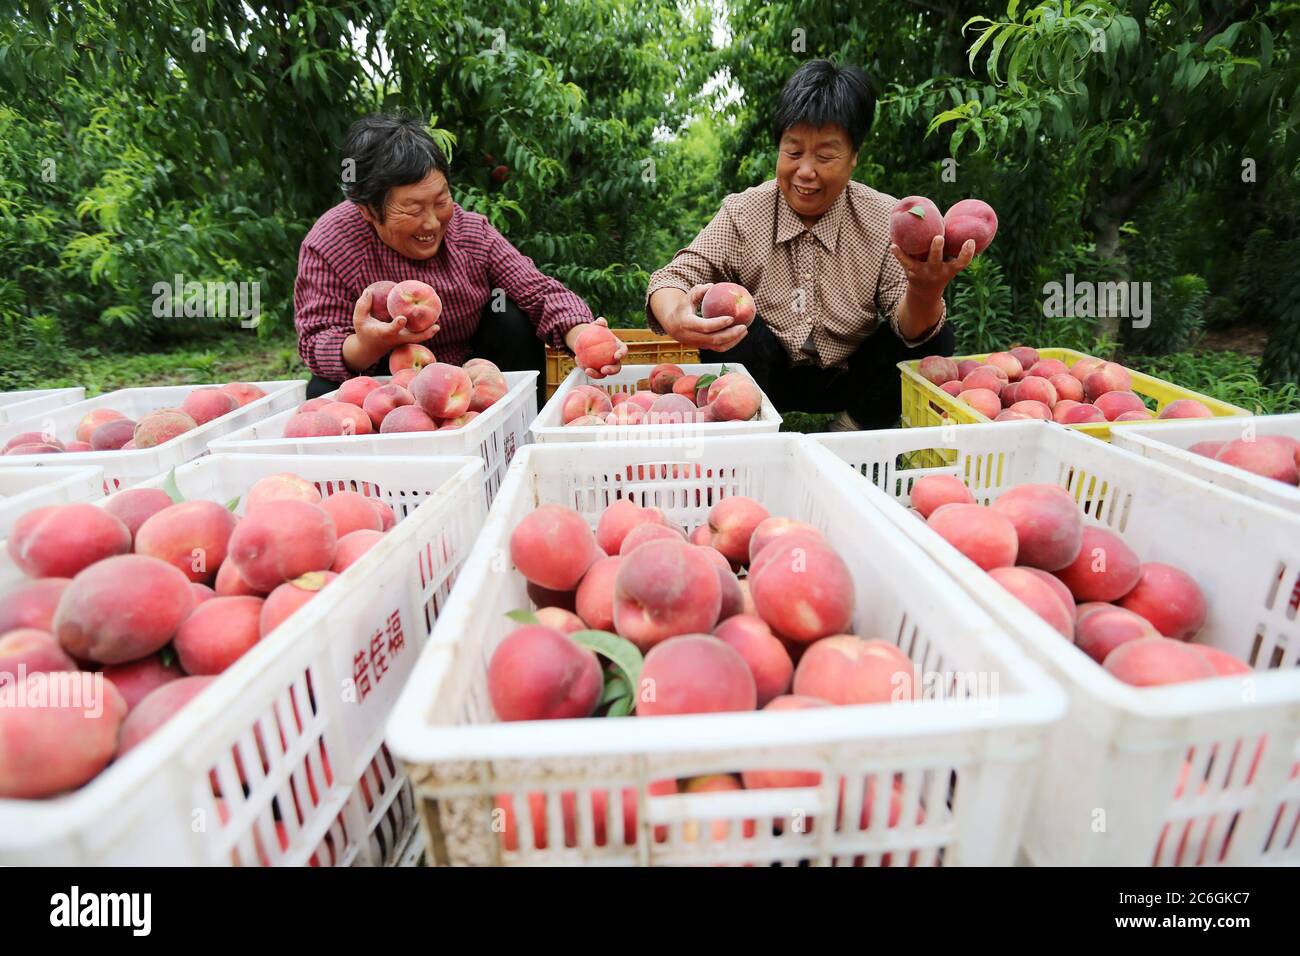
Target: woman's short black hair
[(385, 151), (821, 93)]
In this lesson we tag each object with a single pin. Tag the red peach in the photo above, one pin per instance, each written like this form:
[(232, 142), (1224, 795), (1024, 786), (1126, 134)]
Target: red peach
[(968, 219), (1008, 363), (595, 598), (379, 402), (29, 651), (1261, 456), (937, 369), (1116, 403), (1224, 664), (772, 529), (355, 390), (558, 619), (785, 779), (1007, 415), (1067, 387), (1107, 377), (643, 398), (1082, 414), (350, 512), (540, 674), (765, 656), (288, 597), (408, 357), (386, 517), (1105, 628), (626, 413), (217, 633), (1156, 661), (672, 409), (31, 604), (486, 390), (553, 547), (80, 446), (1032, 410), (1036, 595), (1037, 389), (403, 377), (157, 708), (932, 492), (313, 405), (596, 347), (586, 421), (663, 377), (694, 674), (407, 418), (351, 547), (645, 533), (731, 524), (162, 426), (202, 592), (111, 436), (352, 420), (89, 422), (620, 518), (734, 398), (1046, 368), (986, 537), (243, 392), (274, 545), (192, 536), (208, 404), (983, 378), (1142, 416), (1210, 449), (585, 400), (848, 670), (1061, 408), (966, 366), (1049, 529), (1105, 568), (37, 448), (1168, 598), (417, 303), (914, 222), (1185, 408), (686, 386), (1009, 394), (1026, 356), (729, 299), (952, 388), (1058, 588), (983, 400), (665, 588), (1083, 368), (802, 588), (313, 425), (379, 292), (136, 505), (284, 486), (57, 541)]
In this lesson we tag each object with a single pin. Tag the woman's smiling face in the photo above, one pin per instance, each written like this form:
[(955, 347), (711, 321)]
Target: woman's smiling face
[(415, 217), (813, 165)]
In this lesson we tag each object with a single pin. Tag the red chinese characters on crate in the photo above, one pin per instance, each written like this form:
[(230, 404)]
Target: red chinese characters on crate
[(378, 656)]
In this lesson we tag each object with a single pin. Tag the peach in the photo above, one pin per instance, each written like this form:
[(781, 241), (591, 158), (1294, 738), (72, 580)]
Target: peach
[(731, 524), (36, 448), (729, 299), (379, 292), (1105, 568), (1210, 449), (62, 738), (192, 536), (802, 588), (983, 400), (1224, 664), (57, 541), (968, 219), (407, 418), (162, 426), (1058, 588), (1082, 415), (158, 707), (89, 422), (596, 347), (913, 224), (1026, 356), (1008, 363), (122, 608), (545, 597), (537, 673), (274, 545), (285, 486), (208, 404), (645, 533), (772, 529), (111, 436), (672, 409), (785, 779), (243, 392), (217, 633), (1039, 597), (1031, 410), (1037, 389), (765, 656), (982, 534), (1066, 386), (288, 597), (663, 377), (586, 421), (1168, 598), (619, 519), (553, 547), (558, 619), (29, 651), (486, 390), (351, 547), (417, 303), (80, 446), (31, 605), (937, 369), (1107, 377), (403, 377), (952, 388), (626, 413), (932, 492), (355, 390), (1156, 661), (849, 670), (1261, 456), (313, 425), (1105, 628), (733, 598), (350, 512), (379, 402), (966, 366), (643, 398), (410, 356), (694, 674), (1007, 415), (686, 385), (585, 400), (1083, 368), (1009, 394), (136, 505), (1049, 529), (983, 378), (1116, 403), (202, 592), (1046, 368), (1143, 416), (313, 405), (720, 830), (664, 588), (352, 420), (1185, 408), (595, 597)]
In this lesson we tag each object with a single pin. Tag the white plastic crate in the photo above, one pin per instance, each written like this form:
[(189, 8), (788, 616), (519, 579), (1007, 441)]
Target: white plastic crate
[(23, 489), (1168, 442), (15, 406), (123, 469), (495, 435), (317, 689), (549, 425), (1110, 787), (967, 758)]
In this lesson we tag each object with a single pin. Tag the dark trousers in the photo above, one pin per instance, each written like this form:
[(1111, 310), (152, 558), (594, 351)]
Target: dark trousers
[(869, 389), (505, 338)]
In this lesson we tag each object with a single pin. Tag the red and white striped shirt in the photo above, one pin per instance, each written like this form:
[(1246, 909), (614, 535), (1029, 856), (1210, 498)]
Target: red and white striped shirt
[(342, 255)]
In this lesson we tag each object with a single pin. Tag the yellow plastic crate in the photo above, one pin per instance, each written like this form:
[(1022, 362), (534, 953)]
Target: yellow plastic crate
[(926, 404), (643, 348)]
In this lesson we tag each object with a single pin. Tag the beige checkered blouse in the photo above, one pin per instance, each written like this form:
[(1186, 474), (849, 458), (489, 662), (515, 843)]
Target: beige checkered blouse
[(821, 290)]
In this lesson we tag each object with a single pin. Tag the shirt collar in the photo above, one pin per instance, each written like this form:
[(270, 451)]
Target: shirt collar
[(826, 230)]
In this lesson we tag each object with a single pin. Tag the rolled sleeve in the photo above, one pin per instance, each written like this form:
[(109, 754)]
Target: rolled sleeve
[(322, 316), (705, 260), (553, 309), (889, 296)]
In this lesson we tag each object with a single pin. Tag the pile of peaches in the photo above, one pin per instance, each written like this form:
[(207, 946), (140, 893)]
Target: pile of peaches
[(667, 397), (149, 599), (1020, 385), (106, 429)]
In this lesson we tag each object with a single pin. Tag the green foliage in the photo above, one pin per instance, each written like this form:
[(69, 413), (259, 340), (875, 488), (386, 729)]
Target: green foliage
[(1228, 376), (981, 309)]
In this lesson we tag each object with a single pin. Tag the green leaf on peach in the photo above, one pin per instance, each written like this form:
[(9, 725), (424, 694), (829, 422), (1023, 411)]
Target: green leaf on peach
[(173, 490), (619, 650), (523, 616)]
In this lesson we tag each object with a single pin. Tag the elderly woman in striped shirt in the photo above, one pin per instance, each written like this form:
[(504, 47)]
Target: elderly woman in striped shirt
[(399, 222), (838, 305)]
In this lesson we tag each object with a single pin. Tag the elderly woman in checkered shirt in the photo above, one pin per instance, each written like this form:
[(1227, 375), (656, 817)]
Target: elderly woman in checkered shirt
[(838, 304), (398, 222)]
